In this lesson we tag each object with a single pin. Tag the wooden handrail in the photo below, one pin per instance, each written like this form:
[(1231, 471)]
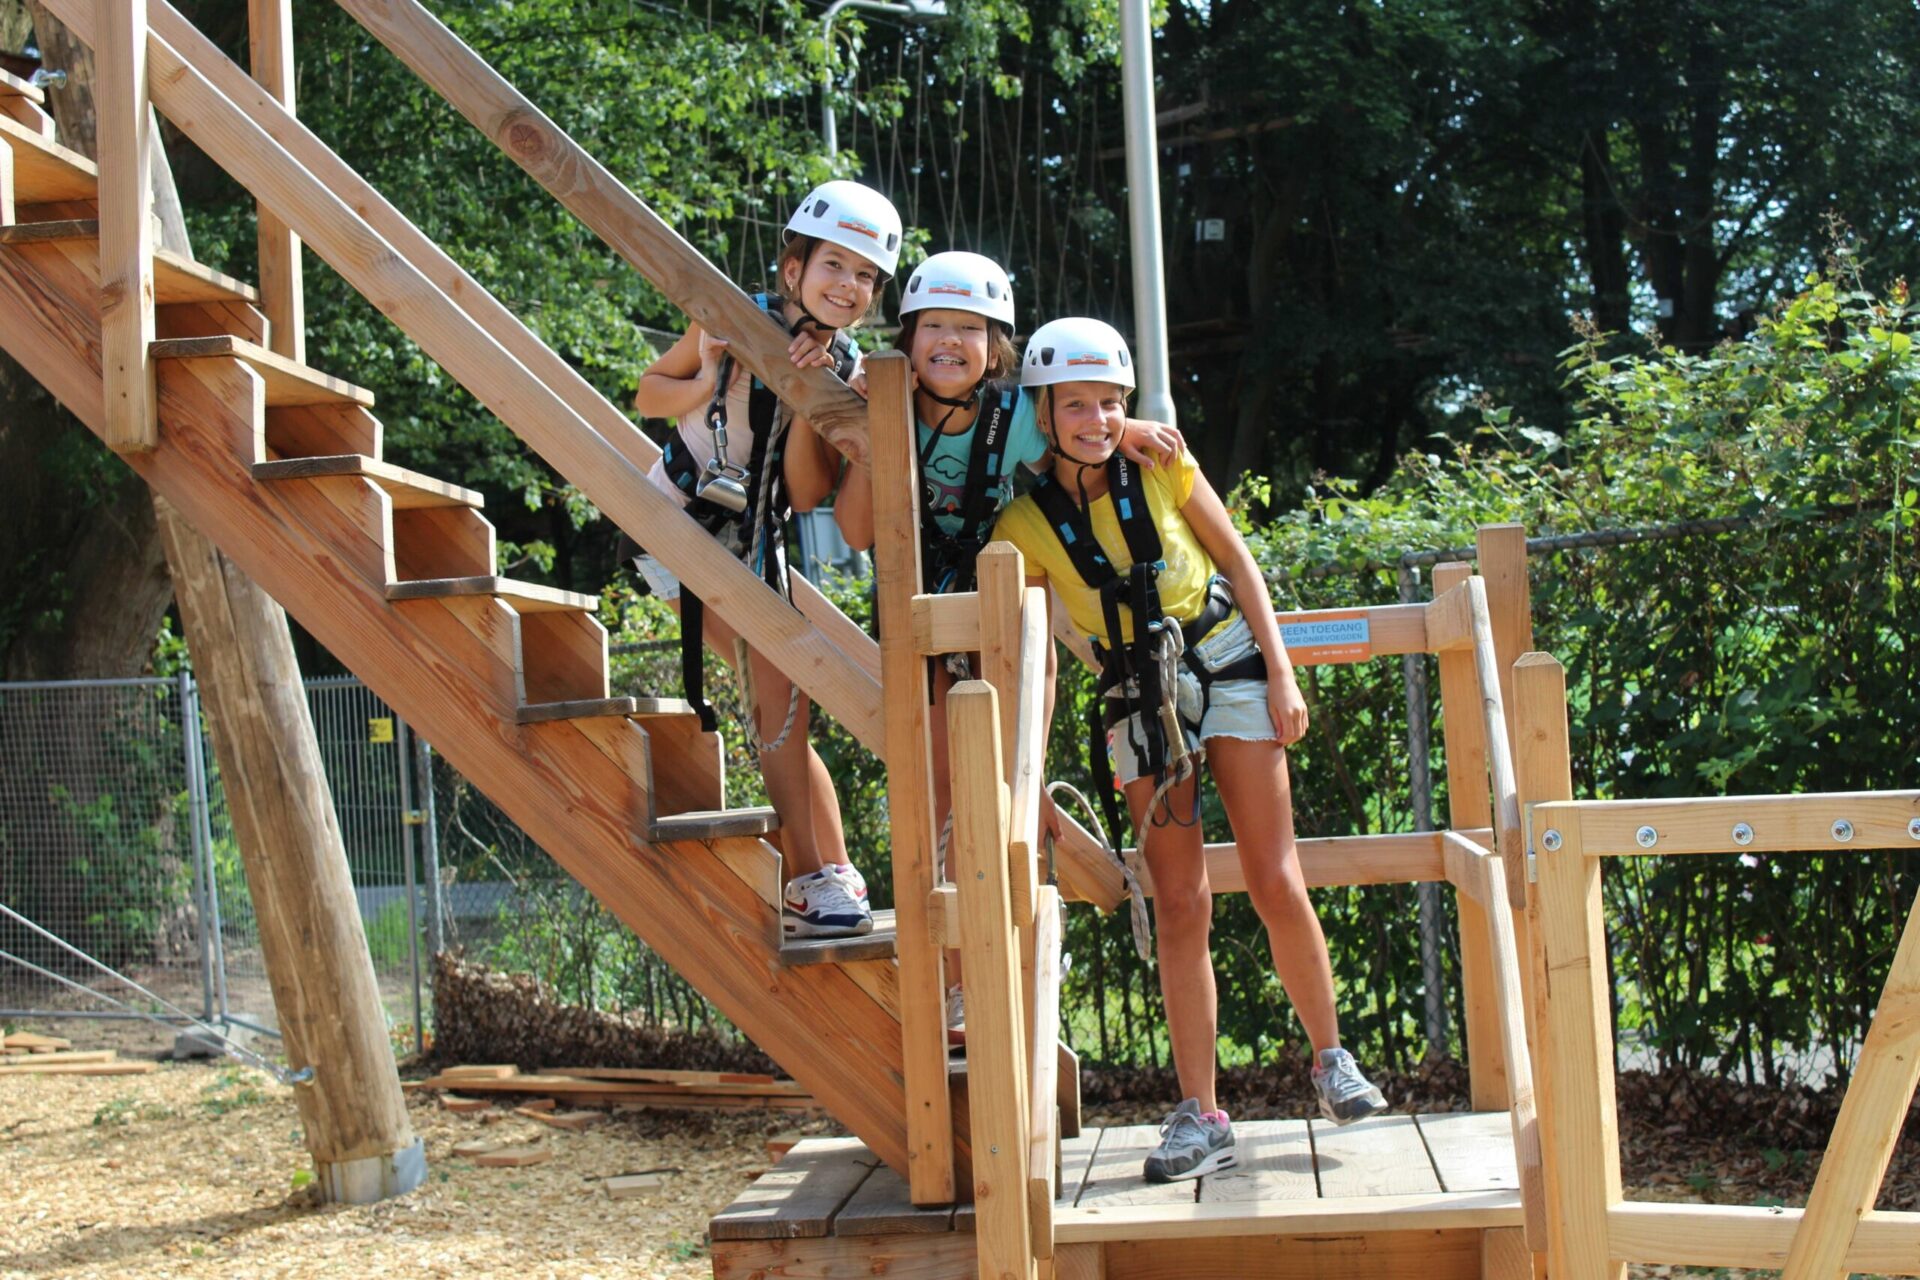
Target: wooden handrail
[(473, 355), (1774, 824), (1506, 797), (612, 212)]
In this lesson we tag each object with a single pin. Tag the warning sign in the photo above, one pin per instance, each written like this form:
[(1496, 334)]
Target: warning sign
[(379, 729), (1329, 637)]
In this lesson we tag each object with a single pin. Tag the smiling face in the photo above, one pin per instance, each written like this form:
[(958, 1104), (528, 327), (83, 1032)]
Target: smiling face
[(835, 285), (1085, 419), (950, 350)]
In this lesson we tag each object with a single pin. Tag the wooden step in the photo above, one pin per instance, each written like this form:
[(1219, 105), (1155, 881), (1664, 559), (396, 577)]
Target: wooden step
[(877, 945), (288, 382), (12, 86), (26, 104), (175, 279), (44, 172), (716, 824), (582, 708), (408, 489), (525, 597)]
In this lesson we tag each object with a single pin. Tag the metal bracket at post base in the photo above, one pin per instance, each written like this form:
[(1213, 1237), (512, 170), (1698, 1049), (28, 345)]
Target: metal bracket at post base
[(372, 1179)]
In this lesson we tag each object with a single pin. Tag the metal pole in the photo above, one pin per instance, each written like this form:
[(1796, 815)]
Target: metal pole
[(203, 835), (1143, 208), (404, 761), (829, 128), (202, 857), (430, 857), (1413, 668)]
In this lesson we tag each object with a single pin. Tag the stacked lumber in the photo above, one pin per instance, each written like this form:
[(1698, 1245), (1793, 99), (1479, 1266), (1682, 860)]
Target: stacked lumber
[(630, 1087), (26, 1054)]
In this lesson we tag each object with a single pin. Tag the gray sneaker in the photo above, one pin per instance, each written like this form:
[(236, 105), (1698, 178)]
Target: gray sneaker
[(1345, 1094), (1191, 1146)]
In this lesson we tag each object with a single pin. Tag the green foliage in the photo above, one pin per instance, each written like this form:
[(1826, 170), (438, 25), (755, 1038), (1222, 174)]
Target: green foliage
[(234, 1089)]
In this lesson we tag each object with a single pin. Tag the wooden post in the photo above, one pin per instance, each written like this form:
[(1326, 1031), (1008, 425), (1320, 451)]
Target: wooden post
[(1543, 771), (270, 28), (1503, 564), (126, 232), (1469, 808), (1582, 1139), (896, 572), (997, 1077), (1002, 576), (352, 1114)]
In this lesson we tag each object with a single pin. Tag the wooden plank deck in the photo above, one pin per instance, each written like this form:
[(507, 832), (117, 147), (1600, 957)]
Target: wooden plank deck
[(1289, 1169)]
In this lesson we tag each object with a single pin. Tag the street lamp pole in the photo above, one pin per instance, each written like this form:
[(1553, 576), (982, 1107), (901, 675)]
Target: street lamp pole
[(829, 128)]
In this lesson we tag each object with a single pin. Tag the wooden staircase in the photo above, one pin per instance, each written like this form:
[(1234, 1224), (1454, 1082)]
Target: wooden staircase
[(394, 571)]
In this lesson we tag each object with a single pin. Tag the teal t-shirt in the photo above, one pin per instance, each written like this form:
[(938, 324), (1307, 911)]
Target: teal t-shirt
[(944, 474)]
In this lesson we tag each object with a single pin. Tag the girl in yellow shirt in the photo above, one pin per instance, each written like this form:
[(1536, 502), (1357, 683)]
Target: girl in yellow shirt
[(1150, 566)]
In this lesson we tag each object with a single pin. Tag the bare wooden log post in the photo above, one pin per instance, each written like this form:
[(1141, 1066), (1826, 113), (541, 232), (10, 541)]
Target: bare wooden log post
[(996, 1042), (126, 232), (1470, 807), (351, 1112), (270, 29), (909, 752)]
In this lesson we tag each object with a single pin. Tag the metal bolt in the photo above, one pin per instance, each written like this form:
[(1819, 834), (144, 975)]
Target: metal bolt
[(42, 78), (1913, 828), (994, 1150), (1742, 833), (979, 875), (1550, 840), (1646, 837), (1842, 830)]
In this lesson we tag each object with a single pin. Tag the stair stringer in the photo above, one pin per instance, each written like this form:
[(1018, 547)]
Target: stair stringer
[(818, 1022)]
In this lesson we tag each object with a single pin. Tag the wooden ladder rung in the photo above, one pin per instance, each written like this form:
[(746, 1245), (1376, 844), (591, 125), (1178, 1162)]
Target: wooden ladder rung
[(877, 945), (525, 597), (44, 172), (287, 382), (575, 709), (713, 824), (407, 488), (175, 279)]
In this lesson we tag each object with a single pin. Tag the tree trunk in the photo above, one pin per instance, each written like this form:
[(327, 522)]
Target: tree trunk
[(324, 989)]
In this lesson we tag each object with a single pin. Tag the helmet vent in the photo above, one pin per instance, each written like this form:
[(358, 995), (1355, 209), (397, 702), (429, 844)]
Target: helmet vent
[(1046, 355), (1124, 362), (819, 208), (913, 285)]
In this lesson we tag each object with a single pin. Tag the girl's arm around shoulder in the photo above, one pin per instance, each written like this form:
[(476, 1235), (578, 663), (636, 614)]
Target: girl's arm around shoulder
[(1207, 516), (1151, 444), (681, 381)]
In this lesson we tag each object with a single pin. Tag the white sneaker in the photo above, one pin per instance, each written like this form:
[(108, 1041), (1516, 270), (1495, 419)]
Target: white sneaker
[(956, 1015), (822, 905), (851, 877)]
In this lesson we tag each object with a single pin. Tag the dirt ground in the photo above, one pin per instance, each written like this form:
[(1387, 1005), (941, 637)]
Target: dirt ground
[(192, 1171)]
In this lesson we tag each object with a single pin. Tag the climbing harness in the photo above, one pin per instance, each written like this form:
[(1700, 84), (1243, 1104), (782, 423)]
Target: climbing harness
[(231, 1048), (743, 507), (948, 560)]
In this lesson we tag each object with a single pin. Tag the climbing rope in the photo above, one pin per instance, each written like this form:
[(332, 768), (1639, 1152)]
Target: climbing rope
[(1129, 868)]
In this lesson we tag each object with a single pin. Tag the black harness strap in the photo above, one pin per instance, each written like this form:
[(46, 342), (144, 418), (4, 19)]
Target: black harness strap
[(763, 412), (947, 560)]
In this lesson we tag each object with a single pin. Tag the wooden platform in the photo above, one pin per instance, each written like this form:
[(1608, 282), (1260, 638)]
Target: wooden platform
[(1423, 1197)]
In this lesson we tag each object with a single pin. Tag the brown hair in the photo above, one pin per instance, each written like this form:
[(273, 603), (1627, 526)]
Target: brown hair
[(799, 252), (1002, 360)]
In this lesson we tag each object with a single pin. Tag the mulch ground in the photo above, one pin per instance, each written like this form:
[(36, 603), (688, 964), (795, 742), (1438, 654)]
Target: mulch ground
[(194, 1170)]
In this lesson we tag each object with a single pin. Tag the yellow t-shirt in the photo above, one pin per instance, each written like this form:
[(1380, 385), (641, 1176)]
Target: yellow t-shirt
[(1183, 583)]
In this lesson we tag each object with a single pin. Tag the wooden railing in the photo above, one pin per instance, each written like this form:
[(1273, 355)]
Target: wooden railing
[(1597, 1230)]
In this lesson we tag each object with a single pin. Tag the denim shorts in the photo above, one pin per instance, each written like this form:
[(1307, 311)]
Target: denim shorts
[(1235, 709)]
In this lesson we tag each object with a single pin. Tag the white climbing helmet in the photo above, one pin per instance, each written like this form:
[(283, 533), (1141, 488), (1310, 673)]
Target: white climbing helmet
[(959, 281), (1076, 349), (854, 217)]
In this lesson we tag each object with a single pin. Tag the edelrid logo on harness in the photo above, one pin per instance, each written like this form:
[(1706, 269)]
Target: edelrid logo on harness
[(950, 286), (866, 229), (1089, 357)]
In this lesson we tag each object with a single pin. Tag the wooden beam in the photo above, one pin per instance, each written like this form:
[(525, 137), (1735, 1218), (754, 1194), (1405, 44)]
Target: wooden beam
[(1043, 1090), (1775, 824), (1087, 872), (947, 623), (1422, 1211), (909, 755), (1584, 1139), (996, 1067), (1502, 551), (615, 214), (1739, 1236), (1543, 772), (126, 225), (1027, 770), (1495, 721), (1327, 861), (1469, 804), (1872, 1115), (1002, 573), (270, 54)]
